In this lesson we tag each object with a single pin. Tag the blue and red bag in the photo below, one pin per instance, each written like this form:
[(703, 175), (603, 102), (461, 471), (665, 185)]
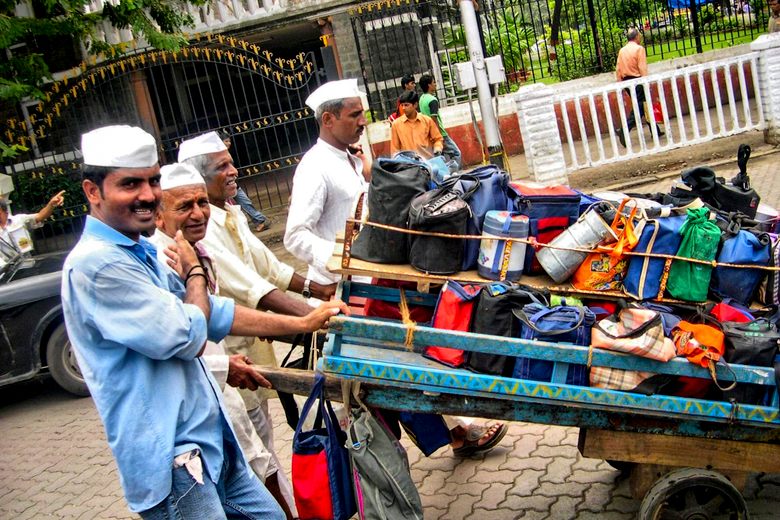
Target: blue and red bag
[(550, 210), (730, 310), (453, 312), (321, 474)]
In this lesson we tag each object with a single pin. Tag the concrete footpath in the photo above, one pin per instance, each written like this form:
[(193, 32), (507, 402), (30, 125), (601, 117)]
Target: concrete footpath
[(55, 461)]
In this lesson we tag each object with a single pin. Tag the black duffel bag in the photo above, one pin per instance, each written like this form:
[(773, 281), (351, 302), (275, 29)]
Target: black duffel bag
[(442, 210), (735, 196), (394, 183), (754, 343), (493, 315)]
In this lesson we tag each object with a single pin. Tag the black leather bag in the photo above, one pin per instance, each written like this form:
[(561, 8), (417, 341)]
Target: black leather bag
[(754, 343), (442, 210), (394, 183), (735, 196), (493, 315)]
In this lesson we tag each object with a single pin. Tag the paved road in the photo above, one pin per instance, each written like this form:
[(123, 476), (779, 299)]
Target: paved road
[(55, 462)]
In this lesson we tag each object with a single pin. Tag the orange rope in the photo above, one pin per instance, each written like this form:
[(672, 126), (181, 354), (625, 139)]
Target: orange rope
[(407, 320), (532, 242)]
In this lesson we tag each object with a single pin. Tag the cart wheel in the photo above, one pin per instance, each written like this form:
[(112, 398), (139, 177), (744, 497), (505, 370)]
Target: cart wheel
[(693, 494)]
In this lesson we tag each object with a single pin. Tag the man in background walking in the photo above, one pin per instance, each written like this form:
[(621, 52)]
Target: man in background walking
[(632, 64)]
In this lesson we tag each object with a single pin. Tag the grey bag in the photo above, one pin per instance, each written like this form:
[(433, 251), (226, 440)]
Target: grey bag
[(383, 485)]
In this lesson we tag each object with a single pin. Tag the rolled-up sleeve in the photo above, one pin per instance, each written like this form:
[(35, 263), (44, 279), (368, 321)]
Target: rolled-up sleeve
[(276, 272), (222, 313), (236, 279), (124, 308), (308, 200)]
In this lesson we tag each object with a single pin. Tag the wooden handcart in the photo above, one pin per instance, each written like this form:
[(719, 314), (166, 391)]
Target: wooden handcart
[(686, 458)]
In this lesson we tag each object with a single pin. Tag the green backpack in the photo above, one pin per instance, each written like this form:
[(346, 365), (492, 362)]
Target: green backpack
[(700, 237)]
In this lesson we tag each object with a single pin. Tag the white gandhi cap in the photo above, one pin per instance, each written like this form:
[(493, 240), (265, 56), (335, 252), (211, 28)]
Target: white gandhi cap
[(201, 145), (177, 174), (333, 90), (119, 146)]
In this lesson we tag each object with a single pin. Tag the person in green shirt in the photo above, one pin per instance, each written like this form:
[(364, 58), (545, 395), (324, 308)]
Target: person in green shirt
[(429, 106), (774, 18)]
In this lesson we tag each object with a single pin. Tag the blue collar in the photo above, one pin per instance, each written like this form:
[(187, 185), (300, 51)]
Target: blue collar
[(142, 249)]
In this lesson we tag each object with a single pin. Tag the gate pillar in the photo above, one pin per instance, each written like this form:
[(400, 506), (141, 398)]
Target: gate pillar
[(768, 47), (539, 130)]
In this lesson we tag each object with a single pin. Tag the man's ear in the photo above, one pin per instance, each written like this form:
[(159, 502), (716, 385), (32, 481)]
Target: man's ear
[(158, 218), (91, 190), (327, 119)]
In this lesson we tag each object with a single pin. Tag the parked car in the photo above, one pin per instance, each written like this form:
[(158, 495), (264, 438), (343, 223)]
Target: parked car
[(33, 339)]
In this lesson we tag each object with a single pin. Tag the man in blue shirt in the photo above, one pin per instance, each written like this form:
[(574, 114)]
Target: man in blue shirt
[(138, 332)]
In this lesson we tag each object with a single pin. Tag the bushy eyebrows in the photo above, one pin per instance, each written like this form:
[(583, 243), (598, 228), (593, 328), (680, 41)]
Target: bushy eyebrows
[(130, 179)]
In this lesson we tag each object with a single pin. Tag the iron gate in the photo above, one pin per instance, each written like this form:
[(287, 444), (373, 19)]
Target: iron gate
[(216, 83), (398, 37)]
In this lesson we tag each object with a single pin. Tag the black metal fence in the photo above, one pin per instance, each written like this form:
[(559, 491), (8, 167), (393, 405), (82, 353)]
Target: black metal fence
[(222, 84), (539, 40)]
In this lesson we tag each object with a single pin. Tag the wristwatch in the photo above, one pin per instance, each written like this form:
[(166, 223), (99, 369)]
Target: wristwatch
[(306, 292)]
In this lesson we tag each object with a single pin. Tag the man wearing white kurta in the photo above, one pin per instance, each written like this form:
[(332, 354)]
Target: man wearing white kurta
[(329, 178), (249, 272), (185, 207), (328, 181)]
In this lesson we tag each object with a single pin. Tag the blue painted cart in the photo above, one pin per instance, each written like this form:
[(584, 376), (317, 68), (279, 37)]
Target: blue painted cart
[(656, 431)]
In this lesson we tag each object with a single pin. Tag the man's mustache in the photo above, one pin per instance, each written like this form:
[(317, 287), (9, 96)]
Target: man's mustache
[(151, 206)]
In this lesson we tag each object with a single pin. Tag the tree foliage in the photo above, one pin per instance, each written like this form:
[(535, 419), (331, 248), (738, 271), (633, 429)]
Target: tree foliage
[(22, 73)]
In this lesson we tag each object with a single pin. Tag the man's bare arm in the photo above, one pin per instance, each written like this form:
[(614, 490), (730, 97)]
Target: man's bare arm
[(281, 303), (46, 211)]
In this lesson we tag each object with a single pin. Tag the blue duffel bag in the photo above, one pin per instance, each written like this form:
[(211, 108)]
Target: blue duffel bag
[(560, 324), (490, 195), (644, 275), (740, 283)]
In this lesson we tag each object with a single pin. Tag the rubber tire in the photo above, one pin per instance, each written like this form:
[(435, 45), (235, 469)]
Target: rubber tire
[(62, 363), (678, 480)]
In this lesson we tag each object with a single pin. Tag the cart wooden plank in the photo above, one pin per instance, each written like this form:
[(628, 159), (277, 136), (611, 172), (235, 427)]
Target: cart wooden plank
[(671, 450)]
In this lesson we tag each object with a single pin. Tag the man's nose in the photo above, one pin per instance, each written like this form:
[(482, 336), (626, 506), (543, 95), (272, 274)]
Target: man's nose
[(148, 192), (197, 213)]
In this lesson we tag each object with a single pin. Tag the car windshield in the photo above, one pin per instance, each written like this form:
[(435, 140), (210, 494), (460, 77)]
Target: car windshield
[(23, 266)]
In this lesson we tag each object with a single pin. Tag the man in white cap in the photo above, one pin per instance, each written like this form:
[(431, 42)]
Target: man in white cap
[(258, 279), (185, 207), (138, 331), (329, 178), (327, 183)]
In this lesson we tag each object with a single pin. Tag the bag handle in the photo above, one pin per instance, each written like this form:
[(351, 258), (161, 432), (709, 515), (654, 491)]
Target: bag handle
[(640, 330), (325, 410), (449, 183), (714, 375), (741, 180), (521, 315), (316, 393)]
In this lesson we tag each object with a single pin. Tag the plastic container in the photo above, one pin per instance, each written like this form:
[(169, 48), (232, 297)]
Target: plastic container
[(492, 249), (21, 238)]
